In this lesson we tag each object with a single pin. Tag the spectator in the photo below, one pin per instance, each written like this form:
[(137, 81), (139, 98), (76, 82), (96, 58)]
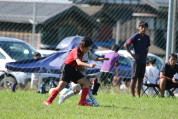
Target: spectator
[(109, 69), (36, 78), (140, 42), (151, 73), (167, 72)]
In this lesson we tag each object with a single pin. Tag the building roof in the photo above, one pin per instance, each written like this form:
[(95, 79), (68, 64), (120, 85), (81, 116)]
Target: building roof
[(22, 12), (157, 3)]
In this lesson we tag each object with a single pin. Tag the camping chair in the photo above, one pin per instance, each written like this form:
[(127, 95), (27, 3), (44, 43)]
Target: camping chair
[(171, 92), (151, 85)]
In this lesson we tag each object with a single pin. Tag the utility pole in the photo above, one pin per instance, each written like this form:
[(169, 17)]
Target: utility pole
[(118, 24), (174, 26), (169, 29), (34, 25)]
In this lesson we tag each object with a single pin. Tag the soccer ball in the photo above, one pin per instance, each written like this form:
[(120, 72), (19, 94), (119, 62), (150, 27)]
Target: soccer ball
[(89, 101), (50, 91)]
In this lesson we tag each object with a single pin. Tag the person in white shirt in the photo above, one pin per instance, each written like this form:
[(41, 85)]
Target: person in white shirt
[(151, 74), (36, 78)]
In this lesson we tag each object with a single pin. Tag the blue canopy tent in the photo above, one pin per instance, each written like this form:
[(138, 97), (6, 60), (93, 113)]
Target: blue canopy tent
[(72, 40)]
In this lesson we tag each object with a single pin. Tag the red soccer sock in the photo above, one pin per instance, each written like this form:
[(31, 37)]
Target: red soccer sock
[(53, 95), (84, 94)]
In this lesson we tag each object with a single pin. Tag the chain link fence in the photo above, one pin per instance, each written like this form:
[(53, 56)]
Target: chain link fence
[(43, 24)]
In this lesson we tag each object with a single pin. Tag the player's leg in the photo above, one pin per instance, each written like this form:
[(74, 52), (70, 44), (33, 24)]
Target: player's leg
[(96, 86), (135, 75), (95, 103), (141, 72), (86, 84), (55, 92), (32, 84), (132, 86), (139, 86), (75, 88)]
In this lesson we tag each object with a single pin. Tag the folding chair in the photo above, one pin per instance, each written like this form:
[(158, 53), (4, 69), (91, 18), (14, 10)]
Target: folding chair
[(171, 92), (151, 85)]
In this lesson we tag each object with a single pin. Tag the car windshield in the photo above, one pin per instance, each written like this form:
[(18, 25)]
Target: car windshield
[(18, 50)]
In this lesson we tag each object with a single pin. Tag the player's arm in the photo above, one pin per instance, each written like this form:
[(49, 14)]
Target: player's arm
[(116, 70), (162, 76), (116, 64), (94, 57), (80, 63), (136, 56), (101, 59)]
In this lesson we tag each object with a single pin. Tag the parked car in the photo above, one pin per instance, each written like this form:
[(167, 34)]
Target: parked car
[(159, 61), (12, 50), (45, 52)]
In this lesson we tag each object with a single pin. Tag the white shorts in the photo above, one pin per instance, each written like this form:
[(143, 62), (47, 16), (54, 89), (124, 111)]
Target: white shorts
[(74, 86)]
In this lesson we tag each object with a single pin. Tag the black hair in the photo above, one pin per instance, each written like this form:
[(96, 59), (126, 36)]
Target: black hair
[(147, 60), (86, 42), (115, 47), (143, 23), (152, 60), (173, 55), (37, 54)]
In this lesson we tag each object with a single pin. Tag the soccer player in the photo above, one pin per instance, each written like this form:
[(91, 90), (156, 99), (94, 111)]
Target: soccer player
[(75, 88), (109, 69), (141, 43), (70, 73)]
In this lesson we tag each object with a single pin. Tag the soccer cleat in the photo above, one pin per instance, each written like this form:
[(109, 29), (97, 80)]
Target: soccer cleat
[(84, 103), (46, 103), (61, 100), (95, 103)]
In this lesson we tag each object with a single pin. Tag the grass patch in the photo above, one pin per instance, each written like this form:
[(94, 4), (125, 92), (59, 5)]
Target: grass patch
[(113, 104)]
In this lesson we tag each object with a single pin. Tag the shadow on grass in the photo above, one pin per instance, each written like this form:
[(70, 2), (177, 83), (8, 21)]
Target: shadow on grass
[(109, 106)]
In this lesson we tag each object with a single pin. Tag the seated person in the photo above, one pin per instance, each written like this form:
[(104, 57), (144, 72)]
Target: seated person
[(151, 73), (167, 72)]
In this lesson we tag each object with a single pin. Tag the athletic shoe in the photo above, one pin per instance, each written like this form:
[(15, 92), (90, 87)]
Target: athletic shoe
[(61, 100), (95, 103), (46, 103), (84, 103)]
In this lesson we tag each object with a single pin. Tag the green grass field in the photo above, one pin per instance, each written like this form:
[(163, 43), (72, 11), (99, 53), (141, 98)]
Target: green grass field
[(28, 105)]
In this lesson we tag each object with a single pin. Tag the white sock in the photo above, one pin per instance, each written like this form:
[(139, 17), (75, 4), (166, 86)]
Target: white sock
[(69, 94)]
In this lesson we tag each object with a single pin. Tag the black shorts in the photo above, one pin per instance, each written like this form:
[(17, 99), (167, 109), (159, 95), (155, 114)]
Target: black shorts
[(138, 70), (106, 77), (69, 73)]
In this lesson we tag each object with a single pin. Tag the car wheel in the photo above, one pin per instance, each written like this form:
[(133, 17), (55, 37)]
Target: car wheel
[(7, 82)]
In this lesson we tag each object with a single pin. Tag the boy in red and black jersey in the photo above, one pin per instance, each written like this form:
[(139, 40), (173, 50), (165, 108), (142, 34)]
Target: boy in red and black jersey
[(69, 72)]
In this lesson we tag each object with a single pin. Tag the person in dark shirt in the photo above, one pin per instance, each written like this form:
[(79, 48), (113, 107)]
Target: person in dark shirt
[(140, 42), (167, 72), (70, 73)]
